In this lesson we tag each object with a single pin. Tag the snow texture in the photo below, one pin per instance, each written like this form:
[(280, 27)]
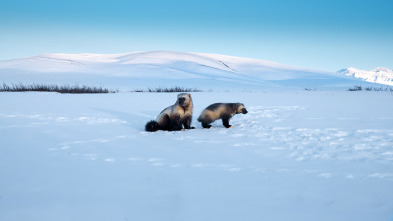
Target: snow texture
[(306, 155)]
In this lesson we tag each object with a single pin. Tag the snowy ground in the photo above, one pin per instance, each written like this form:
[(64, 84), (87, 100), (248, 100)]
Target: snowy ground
[(306, 155)]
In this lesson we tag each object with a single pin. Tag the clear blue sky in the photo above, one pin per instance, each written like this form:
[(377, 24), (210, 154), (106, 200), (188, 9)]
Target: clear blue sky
[(325, 35)]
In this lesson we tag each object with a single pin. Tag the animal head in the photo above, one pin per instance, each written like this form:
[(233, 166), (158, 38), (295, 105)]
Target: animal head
[(184, 99), (240, 108)]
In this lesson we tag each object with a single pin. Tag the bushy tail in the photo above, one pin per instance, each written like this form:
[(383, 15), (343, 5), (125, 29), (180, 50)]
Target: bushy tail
[(152, 126)]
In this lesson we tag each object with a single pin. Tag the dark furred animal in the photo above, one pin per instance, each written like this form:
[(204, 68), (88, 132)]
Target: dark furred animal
[(224, 111), (174, 117)]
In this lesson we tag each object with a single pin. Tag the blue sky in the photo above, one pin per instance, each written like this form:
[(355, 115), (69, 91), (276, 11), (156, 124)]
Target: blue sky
[(324, 35)]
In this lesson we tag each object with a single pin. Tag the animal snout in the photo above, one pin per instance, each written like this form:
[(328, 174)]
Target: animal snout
[(181, 100), (244, 111)]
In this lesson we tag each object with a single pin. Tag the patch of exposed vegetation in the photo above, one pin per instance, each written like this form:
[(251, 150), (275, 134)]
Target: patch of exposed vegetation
[(64, 89), (360, 88), (168, 90)]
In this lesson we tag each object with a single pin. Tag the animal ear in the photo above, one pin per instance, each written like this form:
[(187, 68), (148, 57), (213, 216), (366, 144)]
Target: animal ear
[(189, 95)]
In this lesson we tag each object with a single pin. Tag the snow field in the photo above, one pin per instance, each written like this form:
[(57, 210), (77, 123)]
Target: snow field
[(294, 156)]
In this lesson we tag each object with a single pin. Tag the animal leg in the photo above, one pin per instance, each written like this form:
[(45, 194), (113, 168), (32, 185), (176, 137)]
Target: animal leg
[(187, 123), (164, 122), (225, 122), (175, 124), (206, 125)]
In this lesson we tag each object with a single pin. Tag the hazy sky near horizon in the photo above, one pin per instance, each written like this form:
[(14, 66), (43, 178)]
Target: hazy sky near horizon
[(324, 35)]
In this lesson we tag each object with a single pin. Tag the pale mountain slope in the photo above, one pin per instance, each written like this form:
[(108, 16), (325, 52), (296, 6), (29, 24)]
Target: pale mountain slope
[(378, 75), (166, 68)]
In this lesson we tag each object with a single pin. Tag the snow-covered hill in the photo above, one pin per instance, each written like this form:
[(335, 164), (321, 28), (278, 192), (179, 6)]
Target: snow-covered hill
[(166, 68), (378, 75)]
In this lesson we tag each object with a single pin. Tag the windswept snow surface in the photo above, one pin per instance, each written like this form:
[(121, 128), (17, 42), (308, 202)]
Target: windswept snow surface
[(140, 70), (378, 75), (307, 155)]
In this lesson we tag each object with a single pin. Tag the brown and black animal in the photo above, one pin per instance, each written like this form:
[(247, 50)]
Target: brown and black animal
[(175, 116), (223, 111)]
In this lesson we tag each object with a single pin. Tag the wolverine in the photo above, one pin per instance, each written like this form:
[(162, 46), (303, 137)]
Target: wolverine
[(174, 117), (224, 111)]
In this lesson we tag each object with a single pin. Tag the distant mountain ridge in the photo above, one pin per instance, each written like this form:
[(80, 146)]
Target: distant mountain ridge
[(378, 75), (61, 62), (167, 68)]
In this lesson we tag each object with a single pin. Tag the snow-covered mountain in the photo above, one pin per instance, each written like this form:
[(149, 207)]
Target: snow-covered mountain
[(166, 68), (378, 75)]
